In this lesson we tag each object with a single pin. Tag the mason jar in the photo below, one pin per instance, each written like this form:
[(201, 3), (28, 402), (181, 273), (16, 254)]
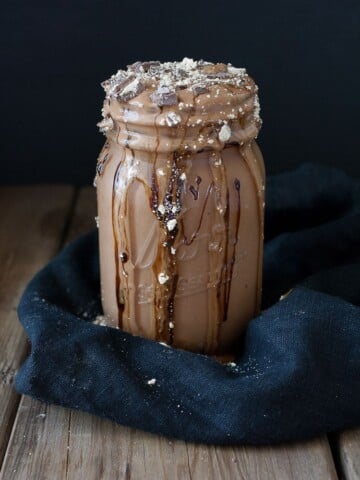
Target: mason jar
[(180, 189)]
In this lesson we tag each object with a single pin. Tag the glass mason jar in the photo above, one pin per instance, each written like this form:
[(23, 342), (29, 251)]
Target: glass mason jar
[(180, 208)]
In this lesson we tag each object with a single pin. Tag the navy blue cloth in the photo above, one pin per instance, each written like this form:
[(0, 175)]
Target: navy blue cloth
[(297, 371)]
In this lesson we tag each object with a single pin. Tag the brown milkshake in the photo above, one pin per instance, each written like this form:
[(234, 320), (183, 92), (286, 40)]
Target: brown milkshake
[(180, 184)]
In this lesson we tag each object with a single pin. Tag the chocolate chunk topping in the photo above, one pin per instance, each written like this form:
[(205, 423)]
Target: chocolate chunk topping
[(150, 66), (118, 88), (131, 90), (164, 96), (199, 89), (168, 77), (136, 67), (181, 72), (219, 75), (164, 85)]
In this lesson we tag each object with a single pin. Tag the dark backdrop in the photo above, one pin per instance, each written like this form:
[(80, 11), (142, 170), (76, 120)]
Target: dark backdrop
[(303, 55)]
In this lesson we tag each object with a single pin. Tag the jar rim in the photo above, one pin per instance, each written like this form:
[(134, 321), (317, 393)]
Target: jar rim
[(192, 125)]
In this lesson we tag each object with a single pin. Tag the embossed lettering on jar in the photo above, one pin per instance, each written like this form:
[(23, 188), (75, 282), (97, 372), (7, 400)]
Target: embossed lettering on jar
[(180, 184)]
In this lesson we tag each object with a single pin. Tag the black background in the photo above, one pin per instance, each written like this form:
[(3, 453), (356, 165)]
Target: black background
[(303, 55)]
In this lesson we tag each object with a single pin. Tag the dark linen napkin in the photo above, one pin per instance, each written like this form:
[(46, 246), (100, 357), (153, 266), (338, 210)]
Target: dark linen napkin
[(297, 371)]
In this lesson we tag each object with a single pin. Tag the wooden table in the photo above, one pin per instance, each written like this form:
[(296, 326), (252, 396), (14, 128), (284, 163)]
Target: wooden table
[(40, 441)]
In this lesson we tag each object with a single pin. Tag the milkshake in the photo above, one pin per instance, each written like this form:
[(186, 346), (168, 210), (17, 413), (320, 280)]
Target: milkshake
[(180, 188)]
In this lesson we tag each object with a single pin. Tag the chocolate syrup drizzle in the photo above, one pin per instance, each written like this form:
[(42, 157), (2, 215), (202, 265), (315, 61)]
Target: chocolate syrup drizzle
[(166, 205), (115, 217), (165, 262), (235, 241), (188, 241), (165, 295)]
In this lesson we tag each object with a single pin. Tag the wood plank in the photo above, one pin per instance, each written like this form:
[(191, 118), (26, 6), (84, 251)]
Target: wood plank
[(305, 460), (349, 453), (101, 449), (32, 222), (38, 445), (75, 445)]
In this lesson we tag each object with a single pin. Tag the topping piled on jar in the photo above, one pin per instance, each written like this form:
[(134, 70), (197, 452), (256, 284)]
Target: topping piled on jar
[(189, 93), (164, 79)]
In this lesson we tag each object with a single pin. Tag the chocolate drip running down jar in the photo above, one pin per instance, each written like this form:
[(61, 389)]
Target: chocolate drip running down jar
[(180, 186)]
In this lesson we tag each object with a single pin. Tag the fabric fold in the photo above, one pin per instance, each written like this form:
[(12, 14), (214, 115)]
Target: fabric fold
[(296, 373)]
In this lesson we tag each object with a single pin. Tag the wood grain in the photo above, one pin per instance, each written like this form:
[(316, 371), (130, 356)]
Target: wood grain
[(100, 449), (38, 445), (349, 453), (306, 460), (32, 221), (52, 442)]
